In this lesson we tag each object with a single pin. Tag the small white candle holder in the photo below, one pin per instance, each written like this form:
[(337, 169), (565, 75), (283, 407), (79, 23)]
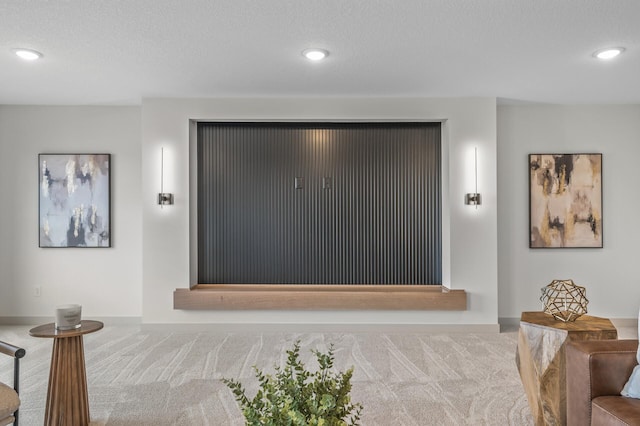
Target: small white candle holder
[(68, 317)]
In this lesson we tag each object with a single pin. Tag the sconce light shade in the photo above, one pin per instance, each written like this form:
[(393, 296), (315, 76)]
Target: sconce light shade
[(472, 199), (165, 199)]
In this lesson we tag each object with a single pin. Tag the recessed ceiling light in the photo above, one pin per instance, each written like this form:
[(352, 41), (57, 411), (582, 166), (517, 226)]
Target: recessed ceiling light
[(315, 54), (608, 53), (27, 54)]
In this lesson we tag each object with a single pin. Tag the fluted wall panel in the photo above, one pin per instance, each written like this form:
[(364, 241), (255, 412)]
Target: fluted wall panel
[(368, 211)]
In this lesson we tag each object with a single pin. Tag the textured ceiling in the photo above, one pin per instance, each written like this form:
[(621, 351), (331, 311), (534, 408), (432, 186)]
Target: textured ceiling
[(120, 51)]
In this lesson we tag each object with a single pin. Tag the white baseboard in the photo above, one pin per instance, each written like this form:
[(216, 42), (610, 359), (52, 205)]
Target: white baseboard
[(237, 327), (47, 319), (504, 324), (624, 322), (330, 328), (509, 323)]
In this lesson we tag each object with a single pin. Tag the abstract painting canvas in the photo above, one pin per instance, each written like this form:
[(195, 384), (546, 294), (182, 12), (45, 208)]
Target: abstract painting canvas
[(75, 193), (565, 200)]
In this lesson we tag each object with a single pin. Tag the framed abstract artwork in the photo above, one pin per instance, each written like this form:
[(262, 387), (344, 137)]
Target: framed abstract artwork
[(75, 200), (565, 200)]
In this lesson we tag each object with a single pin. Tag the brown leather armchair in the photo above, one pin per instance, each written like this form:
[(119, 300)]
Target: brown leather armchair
[(9, 400), (597, 370)]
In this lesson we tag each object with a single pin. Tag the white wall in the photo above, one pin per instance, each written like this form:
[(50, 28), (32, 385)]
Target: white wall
[(609, 274), (470, 235), (155, 258), (107, 282)]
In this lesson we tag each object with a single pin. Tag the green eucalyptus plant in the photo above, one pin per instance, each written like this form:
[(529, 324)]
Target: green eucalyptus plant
[(295, 396)]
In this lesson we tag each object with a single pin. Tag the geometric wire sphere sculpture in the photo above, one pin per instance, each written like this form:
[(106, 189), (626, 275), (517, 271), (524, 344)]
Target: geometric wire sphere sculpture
[(564, 300)]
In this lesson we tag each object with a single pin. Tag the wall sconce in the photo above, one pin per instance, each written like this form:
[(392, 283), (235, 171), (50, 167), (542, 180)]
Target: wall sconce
[(473, 198), (164, 198)]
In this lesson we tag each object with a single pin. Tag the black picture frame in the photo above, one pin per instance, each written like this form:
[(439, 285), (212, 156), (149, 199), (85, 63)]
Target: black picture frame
[(565, 200)]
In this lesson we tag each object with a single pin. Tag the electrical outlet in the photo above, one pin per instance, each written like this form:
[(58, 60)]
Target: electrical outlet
[(37, 291)]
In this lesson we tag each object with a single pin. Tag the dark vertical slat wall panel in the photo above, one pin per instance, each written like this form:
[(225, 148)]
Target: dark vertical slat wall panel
[(379, 223)]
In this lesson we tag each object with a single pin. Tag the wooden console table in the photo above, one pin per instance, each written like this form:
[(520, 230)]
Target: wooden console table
[(540, 359), (67, 397)]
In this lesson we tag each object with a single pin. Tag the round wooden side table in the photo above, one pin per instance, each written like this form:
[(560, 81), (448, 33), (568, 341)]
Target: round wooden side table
[(67, 396)]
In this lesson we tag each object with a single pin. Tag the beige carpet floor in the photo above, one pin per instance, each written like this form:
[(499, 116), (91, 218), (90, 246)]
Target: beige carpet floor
[(151, 375)]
